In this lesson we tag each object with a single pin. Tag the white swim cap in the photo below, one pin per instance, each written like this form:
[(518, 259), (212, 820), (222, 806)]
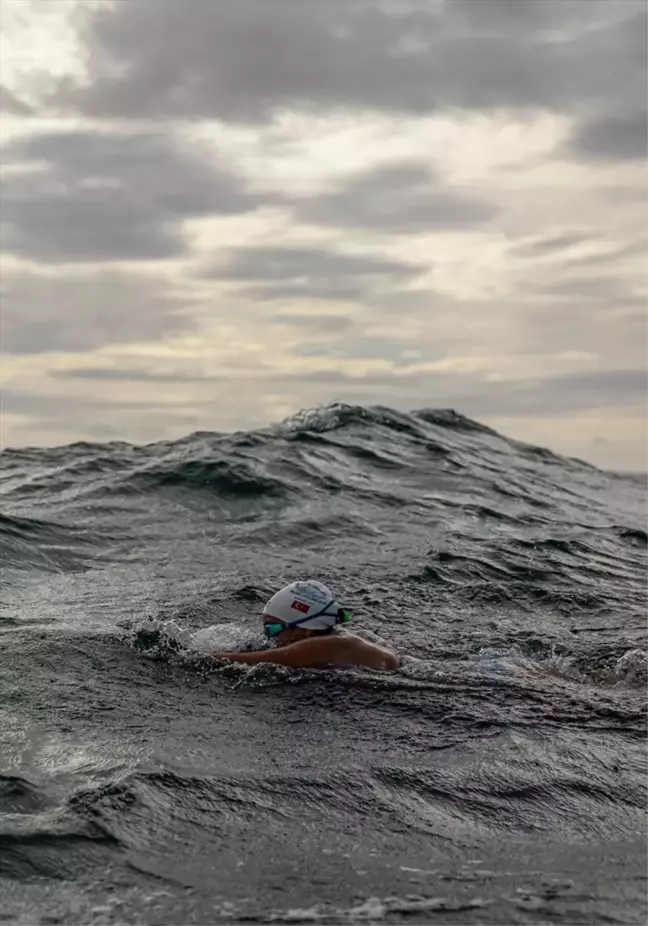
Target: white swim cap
[(299, 599)]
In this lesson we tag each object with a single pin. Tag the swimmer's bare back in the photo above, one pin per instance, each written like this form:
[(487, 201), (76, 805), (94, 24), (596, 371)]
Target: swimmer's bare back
[(318, 652)]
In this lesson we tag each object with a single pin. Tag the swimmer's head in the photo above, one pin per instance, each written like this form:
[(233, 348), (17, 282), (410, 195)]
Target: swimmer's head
[(300, 610)]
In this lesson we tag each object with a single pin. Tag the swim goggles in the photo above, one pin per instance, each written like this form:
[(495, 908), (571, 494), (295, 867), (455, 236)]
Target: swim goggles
[(274, 628)]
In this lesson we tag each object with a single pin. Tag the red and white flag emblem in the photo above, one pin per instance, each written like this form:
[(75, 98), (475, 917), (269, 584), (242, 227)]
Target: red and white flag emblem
[(300, 606)]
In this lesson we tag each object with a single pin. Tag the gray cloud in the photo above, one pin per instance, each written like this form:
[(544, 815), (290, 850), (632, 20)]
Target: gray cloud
[(367, 347), (550, 244), (469, 393), (328, 324), (73, 417), (574, 392), (26, 403), (311, 273), (12, 104), (244, 61), (544, 17), (567, 291), (562, 247), (46, 312), (477, 397), (132, 374), (397, 198), (613, 137), (636, 248), (104, 197), (332, 290), (296, 263), (602, 289)]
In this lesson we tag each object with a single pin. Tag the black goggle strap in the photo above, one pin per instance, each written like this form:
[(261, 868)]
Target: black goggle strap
[(341, 617), (310, 617)]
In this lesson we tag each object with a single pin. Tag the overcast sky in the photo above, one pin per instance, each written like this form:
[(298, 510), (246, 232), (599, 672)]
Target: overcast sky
[(216, 212)]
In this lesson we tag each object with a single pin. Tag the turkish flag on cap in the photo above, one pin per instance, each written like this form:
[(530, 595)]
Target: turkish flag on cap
[(300, 606)]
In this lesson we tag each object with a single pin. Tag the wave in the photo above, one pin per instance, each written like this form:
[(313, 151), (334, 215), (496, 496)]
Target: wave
[(142, 781), (29, 543), (225, 463), (222, 477), (514, 525), (143, 809)]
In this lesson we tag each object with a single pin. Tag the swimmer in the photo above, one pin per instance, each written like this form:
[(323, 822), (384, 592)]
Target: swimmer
[(304, 621)]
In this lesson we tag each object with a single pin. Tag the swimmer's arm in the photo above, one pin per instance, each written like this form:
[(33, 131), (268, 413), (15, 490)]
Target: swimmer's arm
[(303, 654), (320, 652)]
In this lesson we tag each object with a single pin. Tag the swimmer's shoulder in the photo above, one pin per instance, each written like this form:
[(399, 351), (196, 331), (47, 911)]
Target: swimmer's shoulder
[(352, 649)]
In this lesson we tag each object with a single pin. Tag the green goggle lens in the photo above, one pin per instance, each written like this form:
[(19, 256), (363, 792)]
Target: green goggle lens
[(271, 630)]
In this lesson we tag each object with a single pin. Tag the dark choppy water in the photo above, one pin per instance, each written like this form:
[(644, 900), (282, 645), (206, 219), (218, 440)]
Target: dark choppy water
[(498, 777)]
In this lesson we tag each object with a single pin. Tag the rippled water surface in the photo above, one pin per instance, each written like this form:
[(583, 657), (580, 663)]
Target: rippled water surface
[(497, 777)]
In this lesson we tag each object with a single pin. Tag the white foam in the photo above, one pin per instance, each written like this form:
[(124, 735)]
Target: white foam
[(632, 666), (302, 915), (494, 661), (174, 631), (224, 638), (374, 909)]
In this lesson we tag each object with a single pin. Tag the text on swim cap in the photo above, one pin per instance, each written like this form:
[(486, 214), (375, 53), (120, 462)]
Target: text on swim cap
[(311, 591)]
